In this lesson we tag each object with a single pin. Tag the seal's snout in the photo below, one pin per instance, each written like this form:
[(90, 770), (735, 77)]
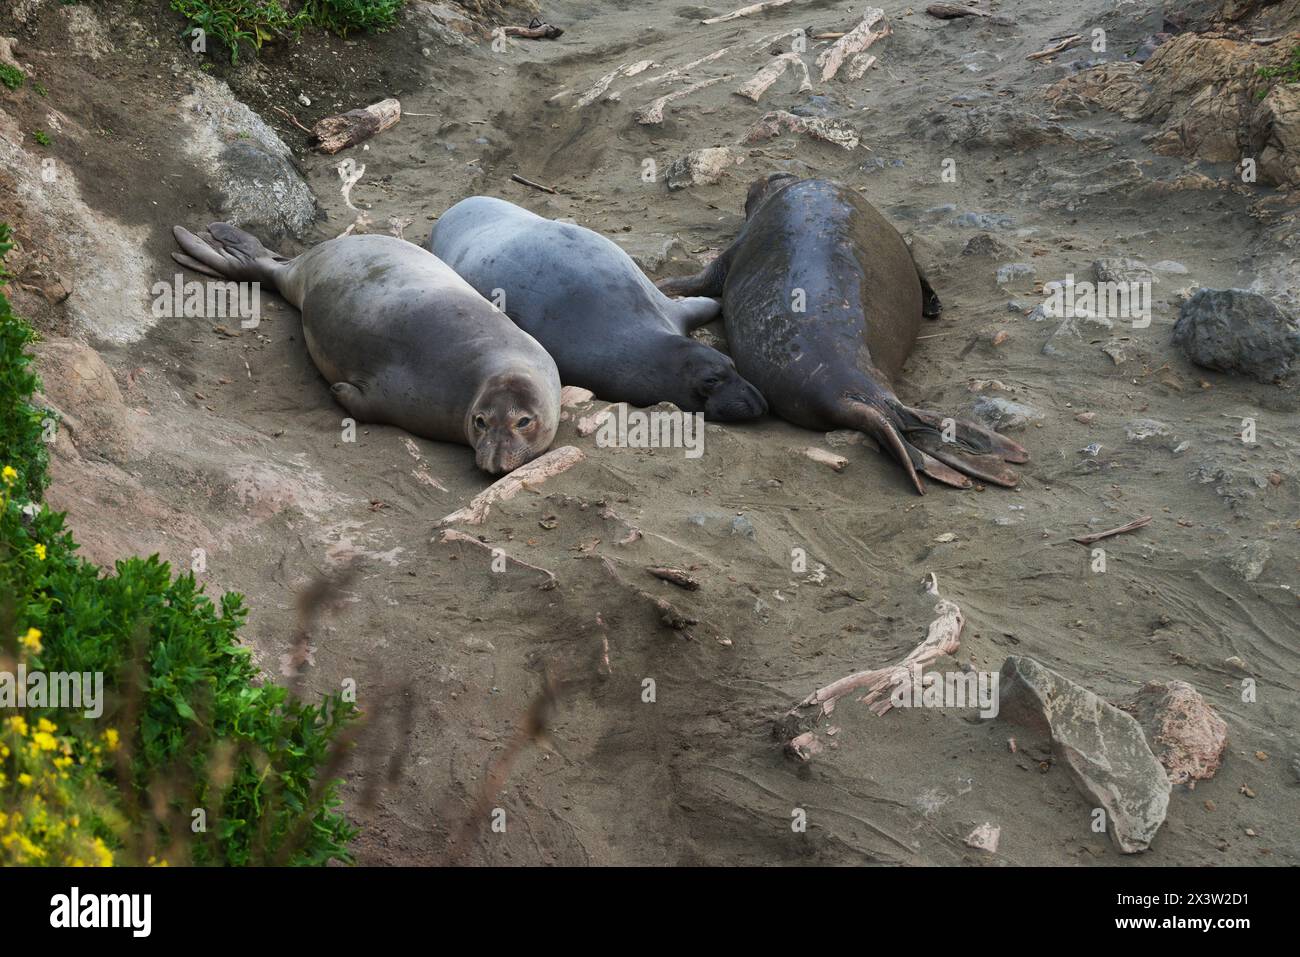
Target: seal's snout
[(734, 400)]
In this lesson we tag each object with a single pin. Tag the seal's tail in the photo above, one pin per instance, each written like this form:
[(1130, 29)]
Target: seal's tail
[(944, 448), (227, 253)]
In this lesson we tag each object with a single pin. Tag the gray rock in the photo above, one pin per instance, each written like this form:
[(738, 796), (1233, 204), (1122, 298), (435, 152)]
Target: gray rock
[(1234, 330), (986, 244), (1104, 749), (740, 525), (700, 167), (1118, 269), (1001, 414), (652, 251), (1143, 430), (259, 188), (1012, 272), (1249, 562)]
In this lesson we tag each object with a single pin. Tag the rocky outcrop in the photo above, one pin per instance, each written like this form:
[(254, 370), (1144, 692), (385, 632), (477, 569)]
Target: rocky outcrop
[(82, 390), (1213, 95), (1103, 748)]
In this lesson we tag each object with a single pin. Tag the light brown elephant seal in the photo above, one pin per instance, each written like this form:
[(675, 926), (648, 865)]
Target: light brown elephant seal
[(403, 340)]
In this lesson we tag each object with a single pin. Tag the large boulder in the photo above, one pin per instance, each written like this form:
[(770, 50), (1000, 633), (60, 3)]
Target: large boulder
[(258, 186), (1275, 135), (1103, 748), (82, 390), (1235, 330)]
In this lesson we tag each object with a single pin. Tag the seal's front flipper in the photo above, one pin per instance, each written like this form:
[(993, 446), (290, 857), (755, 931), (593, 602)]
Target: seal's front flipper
[(354, 401), (695, 311), (706, 283)]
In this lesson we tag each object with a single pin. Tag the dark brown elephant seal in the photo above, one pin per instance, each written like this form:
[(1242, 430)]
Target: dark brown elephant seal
[(403, 340), (830, 366)]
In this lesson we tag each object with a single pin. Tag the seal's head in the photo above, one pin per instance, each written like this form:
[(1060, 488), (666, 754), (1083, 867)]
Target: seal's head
[(716, 388), (510, 422), (762, 188)]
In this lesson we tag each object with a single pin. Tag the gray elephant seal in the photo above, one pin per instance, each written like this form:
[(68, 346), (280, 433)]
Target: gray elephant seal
[(403, 340), (831, 365), (583, 298)]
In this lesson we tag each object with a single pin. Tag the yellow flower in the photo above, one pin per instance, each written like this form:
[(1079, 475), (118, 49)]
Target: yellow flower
[(46, 725), (32, 640), (39, 549), (10, 476), (45, 741), (102, 853), (18, 724), (25, 780), (111, 739)]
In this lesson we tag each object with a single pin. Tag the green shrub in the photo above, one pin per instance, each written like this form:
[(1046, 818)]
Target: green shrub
[(236, 23), (188, 723), (11, 76)]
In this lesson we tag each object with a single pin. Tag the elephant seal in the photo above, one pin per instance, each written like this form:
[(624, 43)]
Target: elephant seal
[(583, 298), (830, 366), (403, 340)]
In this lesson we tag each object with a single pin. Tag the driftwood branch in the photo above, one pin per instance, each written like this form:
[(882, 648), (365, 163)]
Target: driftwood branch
[(536, 30), (855, 41), (748, 11), (754, 88), (335, 133), (951, 11), (675, 576), (1056, 47), (528, 182), (942, 638), (533, 473), (451, 535), (1137, 523), (653, 112)]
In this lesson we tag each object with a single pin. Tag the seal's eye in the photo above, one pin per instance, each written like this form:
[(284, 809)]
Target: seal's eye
[(480, 422), (523, 423)]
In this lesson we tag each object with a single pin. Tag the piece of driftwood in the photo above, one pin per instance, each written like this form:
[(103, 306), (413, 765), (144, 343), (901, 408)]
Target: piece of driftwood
[(675, 576), (335, 133), (670, 616), (600, 86), (653, 112), (673, 74), (452, 535), (776, 122), (536, 30), (754, 88), (748, 11), (823, 457), (942, 638), (528, 182), (1137, 523), (952, 11), (855, 41), (860, 64), (1056, 47), (507, 487)]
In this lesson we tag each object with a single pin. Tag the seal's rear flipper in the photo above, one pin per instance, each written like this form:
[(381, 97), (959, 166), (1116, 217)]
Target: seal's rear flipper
[(930, 304), (972, 449), (227, 253)]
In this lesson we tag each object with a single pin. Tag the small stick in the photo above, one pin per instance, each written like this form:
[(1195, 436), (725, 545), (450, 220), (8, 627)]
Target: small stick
[(528, 182), (746, 11), (1142, 522), (676, 576), (536, 30), (292, 119), (451, 535), (1056, 47), (951, 11)]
